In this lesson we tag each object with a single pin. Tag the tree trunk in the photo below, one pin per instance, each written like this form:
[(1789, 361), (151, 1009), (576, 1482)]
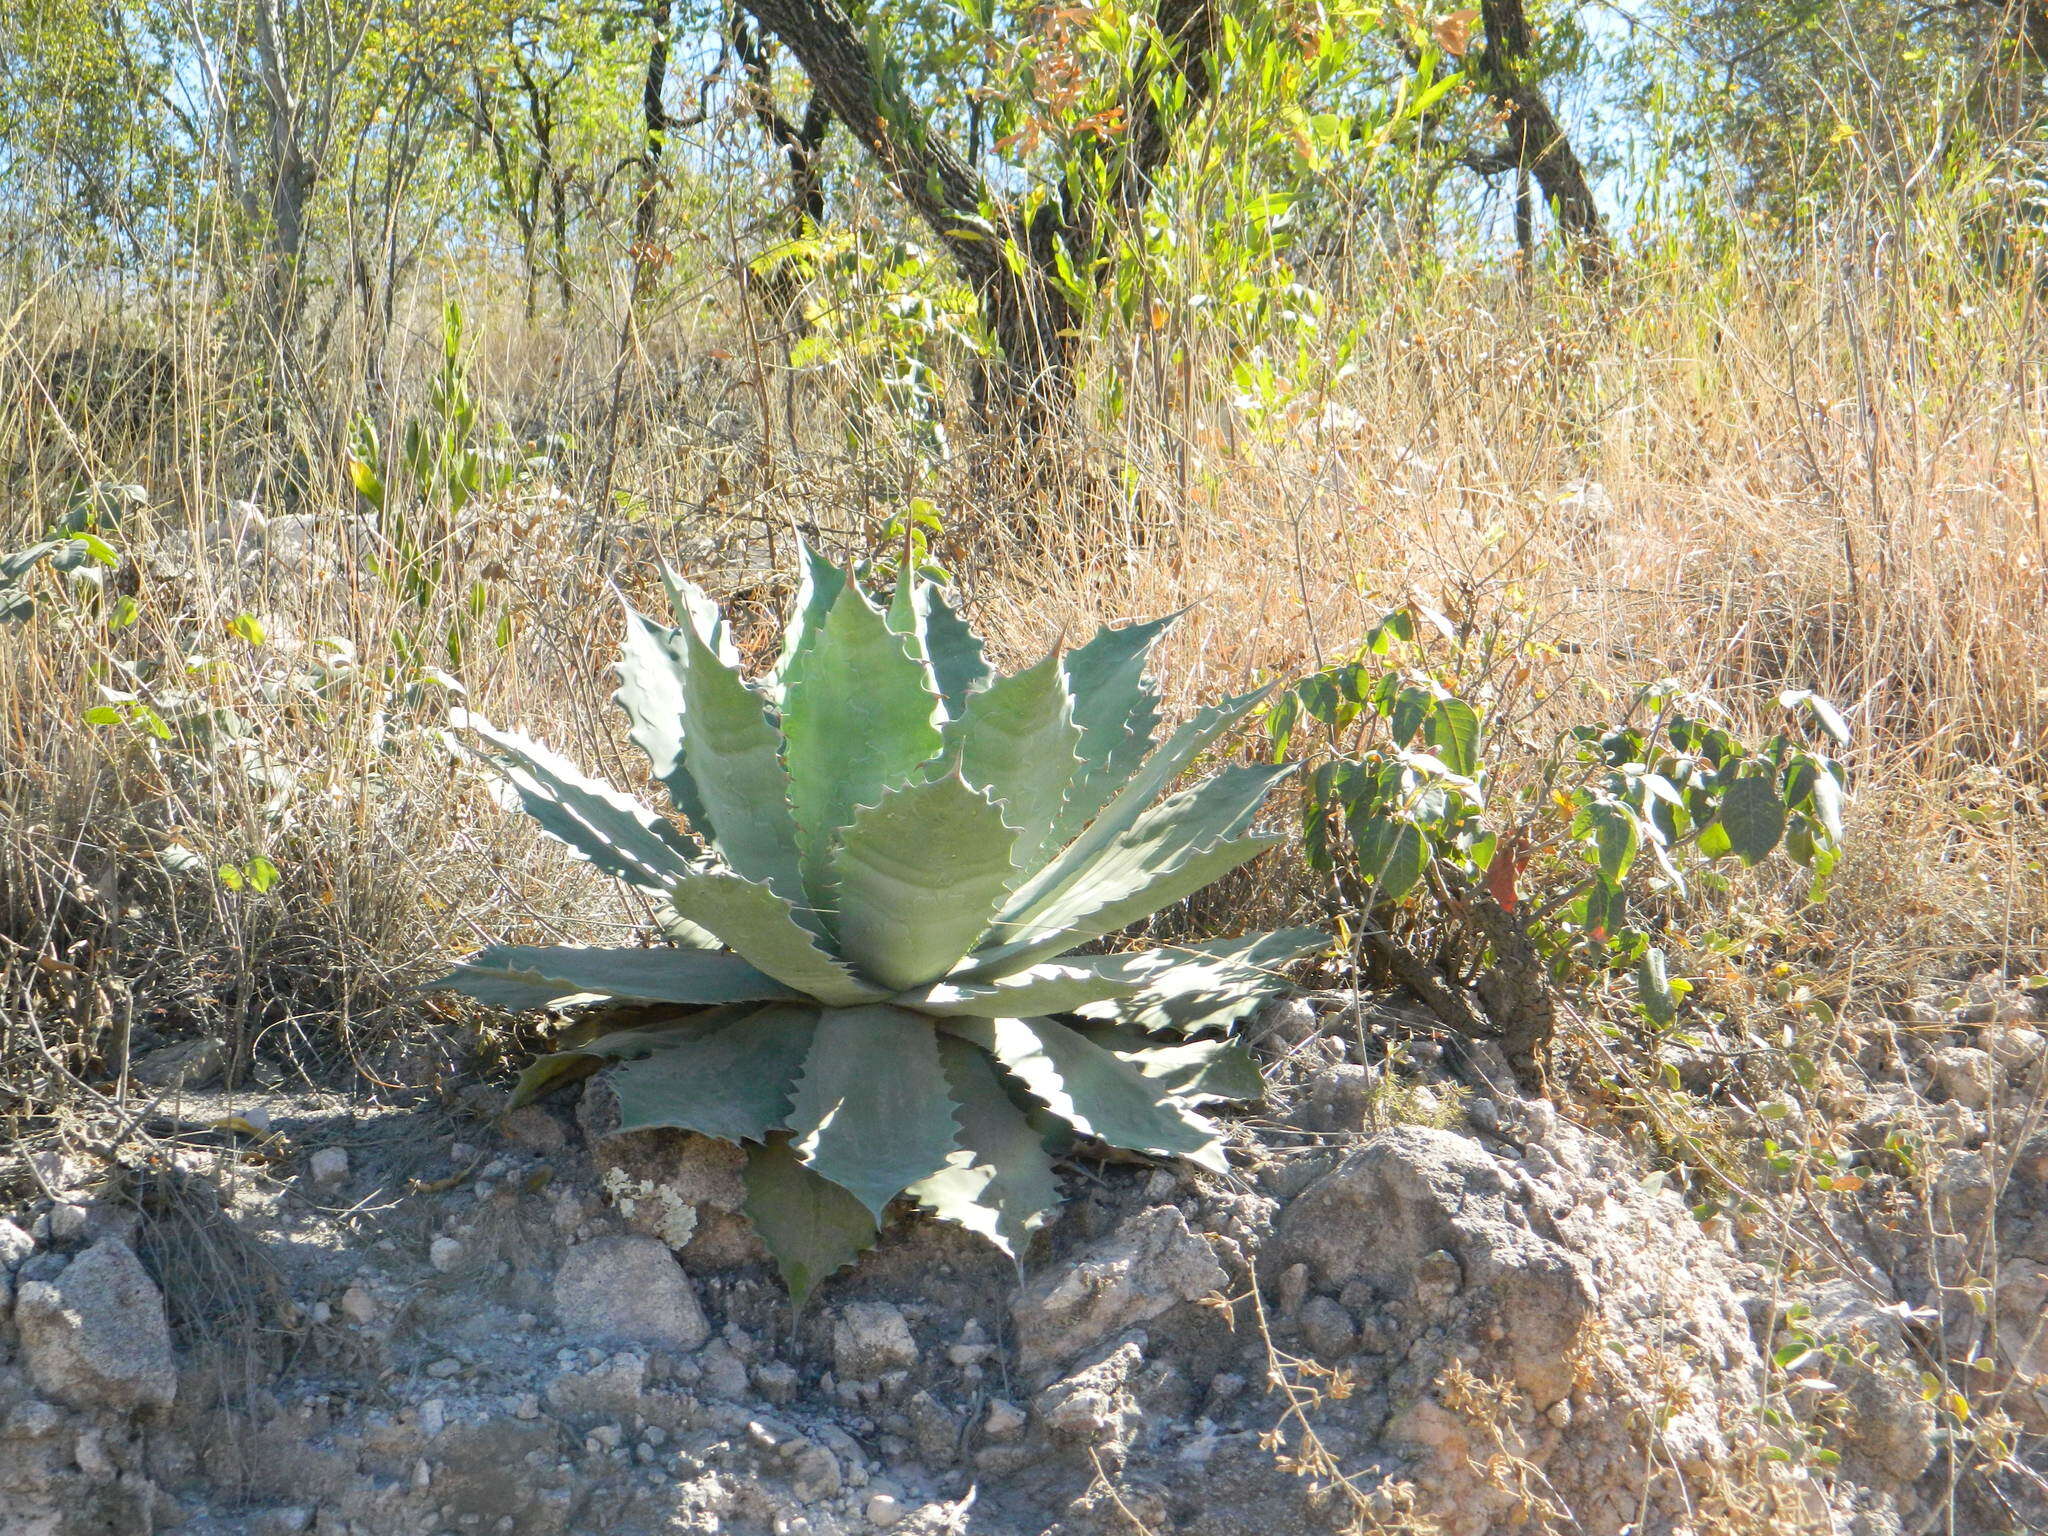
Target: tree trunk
[(291, 177), (654, 118), (1535, 141), (1030, 315)]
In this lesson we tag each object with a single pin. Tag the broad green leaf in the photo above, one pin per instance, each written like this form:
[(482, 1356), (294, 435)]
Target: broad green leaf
[(811, 1226), (1058, 986), (1091, 1090), (651, 693), (734, 757), (1116, 712), (873, 1112), (1197, 1071), (1616, 837), (1454, 732), (1208, 986), (645, 975), (1133, 801), (763, 928), (858, 720), (1753, 817), (1140, 871), (917, 879), (1829, 718), (1714, 842), (1810, 784), (1017, 740), (1392, 856), (1827, 804), (1412, 706), (1000, 1183), (819, 583), (732, 1082), (608, 828)]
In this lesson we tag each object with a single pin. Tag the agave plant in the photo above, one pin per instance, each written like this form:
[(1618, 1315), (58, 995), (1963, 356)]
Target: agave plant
[(890, 860)]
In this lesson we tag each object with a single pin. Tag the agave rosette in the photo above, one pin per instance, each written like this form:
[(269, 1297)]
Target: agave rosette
[(890, 860)]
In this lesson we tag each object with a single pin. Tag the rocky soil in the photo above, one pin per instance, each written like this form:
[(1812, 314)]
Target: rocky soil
[(1420, 1303)]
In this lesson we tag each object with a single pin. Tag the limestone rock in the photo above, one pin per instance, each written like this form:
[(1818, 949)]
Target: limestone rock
[(870, 1338), (685, 1189), (629, 1290), (1414, 1193), (188, 1064), (97, 1336), (1962, 1074), (1146, 1267), (1889, 1433), (15, 1244), (1094, 1406)]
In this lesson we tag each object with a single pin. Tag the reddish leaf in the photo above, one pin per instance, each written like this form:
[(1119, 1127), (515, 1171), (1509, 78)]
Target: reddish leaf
[(1510, 858)]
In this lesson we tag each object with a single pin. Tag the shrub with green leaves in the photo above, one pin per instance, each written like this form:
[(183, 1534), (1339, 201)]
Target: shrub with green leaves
[(1560, 874), (889, 862)]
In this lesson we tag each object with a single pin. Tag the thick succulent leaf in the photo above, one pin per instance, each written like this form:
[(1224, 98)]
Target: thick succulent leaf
[(950, 646), (644, 975), (1091, 1089), (917, 879), (858, 720), (734, 757), (763, 928), (651, 694), (1117, 712), (1132, 801), (1172, 851), (873, 1112), (819, 583), (1058, 986), (1195, 1071), (609, 828), (545, 1073), (512, 993), (1001, 1182), (678, 929), (696, 611), (905, 616), (579, 1060), (1017, 740), (1208, 986), (732, 1082), (811, 1226)]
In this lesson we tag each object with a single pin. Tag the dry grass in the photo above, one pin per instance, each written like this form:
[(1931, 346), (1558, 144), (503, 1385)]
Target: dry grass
[(1823, 470)]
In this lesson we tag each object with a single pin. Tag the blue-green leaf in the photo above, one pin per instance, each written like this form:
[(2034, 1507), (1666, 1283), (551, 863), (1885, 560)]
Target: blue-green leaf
[(1017, 740), (1116, 711), (1091, 1090), (765, 929), (917, 879), (1000, 1183), (873, 1112), (812, 1227), (609, 828), (858, 720), (644, 975), (732, 1082)]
